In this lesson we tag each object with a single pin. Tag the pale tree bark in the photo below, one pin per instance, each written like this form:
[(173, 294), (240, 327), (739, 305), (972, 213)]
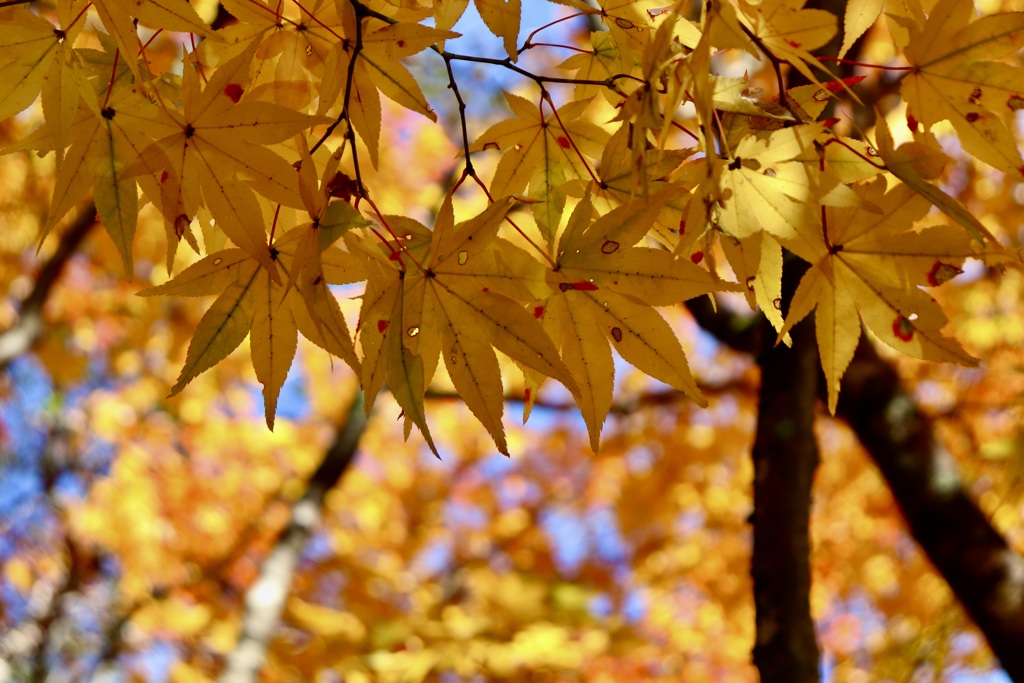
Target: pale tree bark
[(266, 598)]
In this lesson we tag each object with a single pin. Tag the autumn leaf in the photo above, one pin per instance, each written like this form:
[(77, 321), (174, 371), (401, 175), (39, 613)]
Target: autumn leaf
[(604, 287), (767, 178), (502, 18), (37, 57), (174, 15), (915, 163), (251, 303), (540, 152), (215, 131), (954, 75), (873, 263), (107, 138), (784, 27)]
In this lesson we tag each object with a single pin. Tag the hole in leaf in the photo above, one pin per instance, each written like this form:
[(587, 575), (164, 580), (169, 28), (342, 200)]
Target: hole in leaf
[(942, 272), (217, 261), (413, 331), (463, 257), (1015, 103)]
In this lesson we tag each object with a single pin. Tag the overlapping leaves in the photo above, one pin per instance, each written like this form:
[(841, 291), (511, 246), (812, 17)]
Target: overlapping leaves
[(688, 179)]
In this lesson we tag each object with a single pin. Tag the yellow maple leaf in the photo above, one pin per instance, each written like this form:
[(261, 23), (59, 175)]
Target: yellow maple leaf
[(172, 15), (105, 139), (766, 185), (218, 131), (456, 304), (872, 264), (502, 18), (954, 76), (604, 292), (251, 303), (37, 57), (783, 27), (917, 162), (541, 153), (355, 87)]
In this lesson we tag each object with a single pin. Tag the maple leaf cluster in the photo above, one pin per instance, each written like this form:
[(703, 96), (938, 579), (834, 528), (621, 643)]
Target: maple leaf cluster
[(655, 181)]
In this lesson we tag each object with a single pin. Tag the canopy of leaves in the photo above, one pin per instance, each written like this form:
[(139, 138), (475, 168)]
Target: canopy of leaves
[(231, 149)]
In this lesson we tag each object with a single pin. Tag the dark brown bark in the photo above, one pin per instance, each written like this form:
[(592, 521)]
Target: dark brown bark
[(20, 337), (785, 455), (985, 574)]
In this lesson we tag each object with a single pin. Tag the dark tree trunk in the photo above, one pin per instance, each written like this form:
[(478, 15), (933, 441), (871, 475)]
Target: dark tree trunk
[(985, 574), (785, 456)]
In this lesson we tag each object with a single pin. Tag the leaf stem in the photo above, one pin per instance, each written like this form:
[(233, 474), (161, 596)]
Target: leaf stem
[(401, 246), (546, 96), (776, 66), (454, 87), (529, 39), (113, 74), (522, 233), (317, 21), (837, 141), (866, 65)]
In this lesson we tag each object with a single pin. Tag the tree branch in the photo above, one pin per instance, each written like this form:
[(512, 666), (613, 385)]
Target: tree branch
[(20, 337), (985, 574), (266, 598), (739, 332)]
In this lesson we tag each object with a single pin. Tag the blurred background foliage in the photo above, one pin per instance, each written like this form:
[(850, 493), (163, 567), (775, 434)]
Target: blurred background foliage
[(132, 526)]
